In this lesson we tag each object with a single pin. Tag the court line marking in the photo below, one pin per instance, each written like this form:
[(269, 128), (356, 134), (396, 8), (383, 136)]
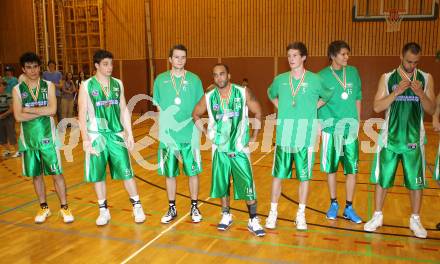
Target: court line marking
[(176, 223), (262, 157), (354, 253), (161, 234), (220, 254), (36, 200), (71, 232)]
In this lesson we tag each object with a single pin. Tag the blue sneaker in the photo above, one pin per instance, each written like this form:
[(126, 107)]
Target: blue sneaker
[(351, 215), (332, 212)]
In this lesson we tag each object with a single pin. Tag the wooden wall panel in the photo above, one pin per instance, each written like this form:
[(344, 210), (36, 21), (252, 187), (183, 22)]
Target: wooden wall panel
[(16, 29), (259, 72), (124, 25), (135, 76), (261, 28)]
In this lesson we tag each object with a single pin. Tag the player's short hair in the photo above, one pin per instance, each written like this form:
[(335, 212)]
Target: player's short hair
[(335, 47), (301, 47)]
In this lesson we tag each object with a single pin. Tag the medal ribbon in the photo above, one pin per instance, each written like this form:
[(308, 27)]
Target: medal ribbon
[(37, 90), (344, 76), (405, 76), (174, 82), (294, 92), (225, 101), (105, 90)]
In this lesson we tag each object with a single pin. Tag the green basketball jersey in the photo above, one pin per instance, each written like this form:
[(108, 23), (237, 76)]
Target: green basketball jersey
[(338, 108), (297, 125), (403, 129), (175, 119), (103, 113), (38, 133), (228, 126)]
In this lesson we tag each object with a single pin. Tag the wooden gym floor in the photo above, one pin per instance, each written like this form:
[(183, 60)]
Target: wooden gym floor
[(122, 240)]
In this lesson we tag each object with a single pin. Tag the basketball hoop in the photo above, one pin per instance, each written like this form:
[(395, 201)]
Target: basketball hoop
[(393, 19)]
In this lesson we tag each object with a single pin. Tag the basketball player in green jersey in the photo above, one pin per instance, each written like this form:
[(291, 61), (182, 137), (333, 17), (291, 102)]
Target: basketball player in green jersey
[(436, 125), (405, 94), (339, 142), (296, 94), (107, 136), (34, 104), (228, 129), (175, 94)]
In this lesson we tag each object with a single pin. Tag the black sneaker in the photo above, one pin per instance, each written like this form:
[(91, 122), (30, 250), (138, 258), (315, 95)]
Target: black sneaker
[(170, 215), (196, 216)]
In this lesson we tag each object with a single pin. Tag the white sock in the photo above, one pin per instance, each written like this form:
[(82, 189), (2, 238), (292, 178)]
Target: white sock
[(135, 198), (301, 207), (377, 212), (273, 207), (101, 202), (415, 216)]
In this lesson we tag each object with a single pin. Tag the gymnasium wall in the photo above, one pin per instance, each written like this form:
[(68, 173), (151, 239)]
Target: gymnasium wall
[(249, 35), (261, 28), (16, 29)]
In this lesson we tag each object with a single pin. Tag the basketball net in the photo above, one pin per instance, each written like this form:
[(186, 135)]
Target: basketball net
[(393, 19)]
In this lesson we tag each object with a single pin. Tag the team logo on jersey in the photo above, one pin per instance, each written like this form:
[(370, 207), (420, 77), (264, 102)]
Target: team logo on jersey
[(394, 87), (24, 95), (215, 107), (304, 87), (95, 93), (45, 141), (127, 172), (185, 85)]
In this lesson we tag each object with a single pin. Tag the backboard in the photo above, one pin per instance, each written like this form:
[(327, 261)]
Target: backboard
[(377, 10)]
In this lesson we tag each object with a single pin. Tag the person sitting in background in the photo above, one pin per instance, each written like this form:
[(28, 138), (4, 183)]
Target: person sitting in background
[(68, 93), (8, 139)]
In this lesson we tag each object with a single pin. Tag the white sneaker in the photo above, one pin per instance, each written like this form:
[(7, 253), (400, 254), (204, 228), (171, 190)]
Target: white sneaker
[(42, 215), (374, 223), (16, 154), (416, 226), (67, 215), (271, 220), (196, 216), (138, 213), (255, 227), (104, 217), (301, 221), (6, 153), (226, 222)]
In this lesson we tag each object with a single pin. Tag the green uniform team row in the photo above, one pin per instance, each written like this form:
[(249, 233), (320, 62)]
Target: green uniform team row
[(300, 96)]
